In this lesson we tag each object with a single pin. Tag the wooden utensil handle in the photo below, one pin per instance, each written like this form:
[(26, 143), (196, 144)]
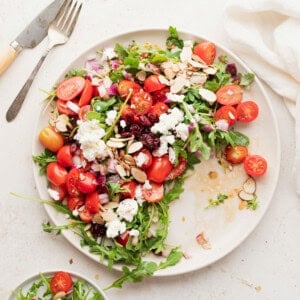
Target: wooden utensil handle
[(7, 56)]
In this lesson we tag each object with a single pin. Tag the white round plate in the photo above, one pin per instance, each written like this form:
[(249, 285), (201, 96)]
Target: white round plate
[(27, 283), (225, 226)]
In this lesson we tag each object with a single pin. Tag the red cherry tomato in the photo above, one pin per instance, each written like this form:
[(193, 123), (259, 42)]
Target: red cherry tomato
[(130, 186), (160, 95), (83, 112), (72, 182), (159, 108), (255, 165), (70, 88), (247, 111), (127, 112), (62, 108), (141, 102), (87, 94), (74, 202), (125, 86), (143, 159), (152, 84), (226, 112), (60, 189), (123, 238), (155, 194), (61, 282), (178, 170), (159, 169), (230, 94), (92, 203), (85, 215), (64, 156), (86, 182), (51, 139), (206, 51), (56, 173), (236, 154)]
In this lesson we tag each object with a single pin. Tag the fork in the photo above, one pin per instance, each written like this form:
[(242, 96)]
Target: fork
[(58, 33)]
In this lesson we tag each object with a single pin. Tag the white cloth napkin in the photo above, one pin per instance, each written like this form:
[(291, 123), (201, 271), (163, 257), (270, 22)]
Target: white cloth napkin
[(266, 35)]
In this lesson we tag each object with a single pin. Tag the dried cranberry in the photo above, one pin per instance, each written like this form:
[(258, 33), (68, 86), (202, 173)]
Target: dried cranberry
[(145, 121), (152, 117), (231, 69), (236, 79), (98, 230), (136, 129), (125, 134), (150, 141)]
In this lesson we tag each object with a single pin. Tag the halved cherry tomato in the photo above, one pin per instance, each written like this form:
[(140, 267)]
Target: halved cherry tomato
[(86, 182), (159, 169), (61, 282), (74, 202), (236, 154), (130, 186), (64, 156), (155, 194), (255, 165), (51, 139), (143, 159), (127, 112), (230, 94), (141, 102), (85, 215), (247, 111), (152, 84), (92, 203), (95, 91), (56, 173), (160, 95), (87, 94), (125, 86), (83, 112), (62, 108), (123, 238), (206, 51), (226, 112), (70, 88), (72, 182), (178, 170), (60, 189), (159, 108)]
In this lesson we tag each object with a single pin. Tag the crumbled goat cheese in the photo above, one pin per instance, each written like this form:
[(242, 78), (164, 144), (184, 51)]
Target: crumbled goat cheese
[(89, 136), (182, 131), (53, 194), (174, 97), (75, 213), (147, 185), (108, 54), (139, 195), (110, 117), (123, 123), (222, 125), (168, 121), (127, 209), (172, 155), (163, 146), (115, 228), (140, 159)]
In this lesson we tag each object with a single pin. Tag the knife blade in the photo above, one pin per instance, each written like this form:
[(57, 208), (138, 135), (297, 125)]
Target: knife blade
[(31, 36)]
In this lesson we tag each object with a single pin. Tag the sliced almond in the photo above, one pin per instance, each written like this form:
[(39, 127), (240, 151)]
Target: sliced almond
[(198, 78), (134, 147), (197, 58), (138, 174), (249, 185), (111, 205), (141, 75), (119, 139), (210, 71), (197, 64), (121, 171), (115, 144), (97, 218), (245, 196), (129, 160), (109, 215), (59, 295), (208, 95)]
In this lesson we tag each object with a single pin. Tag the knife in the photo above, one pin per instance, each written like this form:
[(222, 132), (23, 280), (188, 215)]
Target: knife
[(31, 36)]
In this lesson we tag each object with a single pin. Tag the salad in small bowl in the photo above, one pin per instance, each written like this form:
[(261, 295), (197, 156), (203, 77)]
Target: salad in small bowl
[(57, 285), (124, 133)]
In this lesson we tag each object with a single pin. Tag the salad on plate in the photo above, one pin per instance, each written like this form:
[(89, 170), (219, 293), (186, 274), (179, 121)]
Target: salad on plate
[(125, 130)]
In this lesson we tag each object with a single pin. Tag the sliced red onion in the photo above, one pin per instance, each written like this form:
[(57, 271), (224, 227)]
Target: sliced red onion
[(102, 90), (92, 64), (115, 64), (101, 180), (114, 178), (111, 165), (191, 127), (222, 125), (103, 198), (127, 75), (112, 89), (74, 107)]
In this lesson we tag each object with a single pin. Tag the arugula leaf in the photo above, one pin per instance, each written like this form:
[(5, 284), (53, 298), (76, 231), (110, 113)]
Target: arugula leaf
[(253, 203), (47, 227), (220, 199), (121, 51), (116, 75), (173, 39), (158, 57), (247, 79), (44, 159), (75, 72), (114, 188), (192, 160), (175, 191), (146, 269), (178, 147)]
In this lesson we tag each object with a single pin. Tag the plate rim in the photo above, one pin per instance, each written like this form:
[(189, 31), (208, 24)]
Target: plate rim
[(246, 233)]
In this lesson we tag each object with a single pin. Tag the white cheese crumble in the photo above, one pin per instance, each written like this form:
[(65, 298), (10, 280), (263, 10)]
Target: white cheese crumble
[(89, 136), (222, 125), (175, 97), (140, 159), (108, 54), (123, 123), (53, 194), (182, 131), (75, 213), (127, 209), (115, 228), (163, 146), (139, 194), (110, 117), (147, 185), (168, 121)]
